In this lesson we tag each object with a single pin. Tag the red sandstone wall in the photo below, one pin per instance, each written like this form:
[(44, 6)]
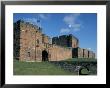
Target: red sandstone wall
[(32, 43), (45, 38), (59, 53), (74, 43), (27, 42), (80, 53), (85, 53)]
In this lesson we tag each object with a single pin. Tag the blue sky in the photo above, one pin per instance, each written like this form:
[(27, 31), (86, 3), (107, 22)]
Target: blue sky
[(81, 25)]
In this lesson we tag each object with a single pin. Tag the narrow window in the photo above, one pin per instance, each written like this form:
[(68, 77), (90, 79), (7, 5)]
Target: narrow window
[(37, 41), (28, 54)]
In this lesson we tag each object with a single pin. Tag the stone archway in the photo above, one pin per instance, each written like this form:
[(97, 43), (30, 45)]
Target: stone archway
[(44, 55)]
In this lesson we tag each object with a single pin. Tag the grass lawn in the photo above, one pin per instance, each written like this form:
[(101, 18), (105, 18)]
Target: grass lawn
[(38, 68), (82, 59)]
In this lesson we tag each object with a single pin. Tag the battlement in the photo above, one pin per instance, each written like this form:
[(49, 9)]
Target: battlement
[(30, 44), (66, 40), (22, 23)]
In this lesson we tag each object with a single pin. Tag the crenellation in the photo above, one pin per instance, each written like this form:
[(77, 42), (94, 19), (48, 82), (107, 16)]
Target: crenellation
[(30, 44)]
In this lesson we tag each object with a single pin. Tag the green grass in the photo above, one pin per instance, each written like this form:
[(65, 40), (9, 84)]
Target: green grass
[(82, 59), (38, 68), (84, 71)]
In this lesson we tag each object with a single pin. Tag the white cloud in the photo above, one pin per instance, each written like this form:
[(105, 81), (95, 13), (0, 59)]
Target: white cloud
[(64, 30), (76, 25), (76, 29), (69, 19), (89, 48), (31, 20), (44, 16), (35, 20), (72, 21)]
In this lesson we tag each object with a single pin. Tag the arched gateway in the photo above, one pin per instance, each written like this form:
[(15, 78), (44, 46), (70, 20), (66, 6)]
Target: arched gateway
[(44, 55)]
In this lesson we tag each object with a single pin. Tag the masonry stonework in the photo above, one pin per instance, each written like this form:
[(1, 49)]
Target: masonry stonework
[(77, 52), (66, 41), (30, 44)]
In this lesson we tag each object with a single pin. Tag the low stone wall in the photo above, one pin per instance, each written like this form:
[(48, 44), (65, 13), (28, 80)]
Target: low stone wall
[(76, 66)]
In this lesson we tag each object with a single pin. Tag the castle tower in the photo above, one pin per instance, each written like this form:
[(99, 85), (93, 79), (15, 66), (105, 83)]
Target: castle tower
[(27, 40), (66, 41), (73, 41)]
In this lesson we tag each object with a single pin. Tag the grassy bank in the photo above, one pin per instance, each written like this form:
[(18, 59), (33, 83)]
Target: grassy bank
[(65, 67), (38, 68), (81, 60)]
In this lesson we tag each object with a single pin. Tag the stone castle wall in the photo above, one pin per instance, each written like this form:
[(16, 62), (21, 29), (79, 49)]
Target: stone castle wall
[(80, 53), (85, 51), (66, 41), (60, 53), (30, 44)]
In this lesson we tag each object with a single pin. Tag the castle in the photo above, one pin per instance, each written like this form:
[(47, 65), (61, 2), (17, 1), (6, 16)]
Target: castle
[(30, 44)]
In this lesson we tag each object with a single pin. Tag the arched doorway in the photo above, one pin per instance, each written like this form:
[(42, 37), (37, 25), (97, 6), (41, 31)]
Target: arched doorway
[(44, 55)]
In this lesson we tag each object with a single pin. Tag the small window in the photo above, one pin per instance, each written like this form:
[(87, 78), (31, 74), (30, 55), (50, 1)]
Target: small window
[(26, 31), (37, 41), (28, 54)]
